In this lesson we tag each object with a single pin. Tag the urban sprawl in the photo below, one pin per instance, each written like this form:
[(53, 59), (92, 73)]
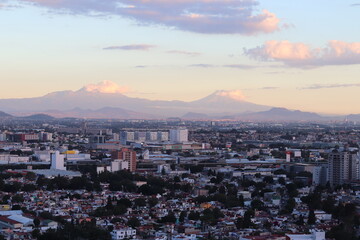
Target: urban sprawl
[(179, 180)]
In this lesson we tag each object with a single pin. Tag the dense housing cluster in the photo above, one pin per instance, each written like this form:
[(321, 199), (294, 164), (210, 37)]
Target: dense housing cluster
[(96, 179)]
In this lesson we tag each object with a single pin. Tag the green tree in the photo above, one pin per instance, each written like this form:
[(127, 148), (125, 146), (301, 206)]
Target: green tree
[(30, 176), (133, 222), (36, 222), (247, 219), (152, 201), (140, 202), (170, 218), (35, 233), (292, 190), (257, 204), (281, 180), (194, 215), (311, 218), (268, 179), (17, 198), (300, 221), (182, 216), (289, 206)]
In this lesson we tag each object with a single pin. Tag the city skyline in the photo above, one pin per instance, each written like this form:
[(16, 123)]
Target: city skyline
[(295, 55)]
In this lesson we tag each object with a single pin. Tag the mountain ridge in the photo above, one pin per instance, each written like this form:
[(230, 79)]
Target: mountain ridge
[(107, 100), (216, 103)]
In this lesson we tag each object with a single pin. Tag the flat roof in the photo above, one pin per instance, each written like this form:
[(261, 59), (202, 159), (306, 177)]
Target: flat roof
[(55, 172)]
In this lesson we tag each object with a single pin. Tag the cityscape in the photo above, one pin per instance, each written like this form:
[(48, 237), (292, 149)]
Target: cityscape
[(174, 179), (179, 120)]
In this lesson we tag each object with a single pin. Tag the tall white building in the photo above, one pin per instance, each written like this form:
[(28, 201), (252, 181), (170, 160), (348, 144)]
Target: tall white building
[(126, 136), (116, 137), (140, 136), (320, 175), (2, 137), (163, 136), (57, 161), (151, 136), (179, 135), (45, 136)]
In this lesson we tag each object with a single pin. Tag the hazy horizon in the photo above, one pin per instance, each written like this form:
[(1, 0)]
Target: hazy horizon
[(295, 55)]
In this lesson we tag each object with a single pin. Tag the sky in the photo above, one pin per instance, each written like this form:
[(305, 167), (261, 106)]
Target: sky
[(296, 54)]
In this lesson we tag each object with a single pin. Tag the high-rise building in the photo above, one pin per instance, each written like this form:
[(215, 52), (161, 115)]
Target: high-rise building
[(57, 161), (45, 136), (2, 137), (126, 136), (151, 136), (115, 137), (127, 155), (140, 136), (163, 136), (320, 175), (343, 167), (97, 139), (179, 135)]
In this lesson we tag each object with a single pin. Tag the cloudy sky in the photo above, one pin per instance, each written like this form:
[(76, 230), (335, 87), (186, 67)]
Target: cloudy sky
[(296, 54)]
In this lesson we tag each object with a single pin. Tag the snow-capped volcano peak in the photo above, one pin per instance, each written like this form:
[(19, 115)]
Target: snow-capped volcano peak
[(233, 94), (105, 87)]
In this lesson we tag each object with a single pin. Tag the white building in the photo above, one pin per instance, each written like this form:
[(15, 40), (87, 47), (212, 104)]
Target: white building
[(185, 237), (126, 136), (118, 165), (77, 157), (320, 175), (140, 136), (115, 137), (7, 158), (151, 136), (146, 154), (100, 169), (45, 136), (315, 235), (122, 233), (179, 135), (57, 161), (163, 168), (163, 136), (44, 156), (2, 137)]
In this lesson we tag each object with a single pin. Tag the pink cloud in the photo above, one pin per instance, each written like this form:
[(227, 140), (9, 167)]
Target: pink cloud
[(184, 53), (105, 87), (202, 16), (303, 55), (233, 94)]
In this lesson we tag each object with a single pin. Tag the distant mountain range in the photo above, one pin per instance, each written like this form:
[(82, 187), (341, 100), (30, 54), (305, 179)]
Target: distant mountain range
[(4, 115), (281, 114), (40, 117), (85, 103), (353, 117), (103, 113)]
